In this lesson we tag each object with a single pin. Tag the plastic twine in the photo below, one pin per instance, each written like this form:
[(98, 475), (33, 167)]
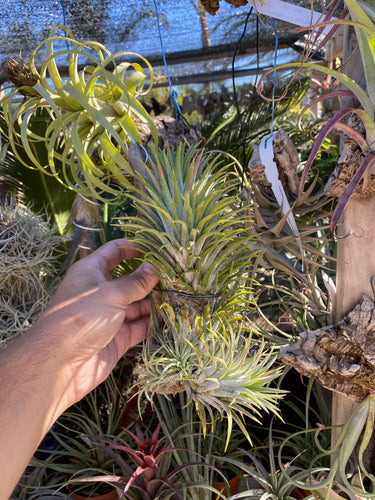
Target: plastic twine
[(274, 73), (173, 93), (64, 19)]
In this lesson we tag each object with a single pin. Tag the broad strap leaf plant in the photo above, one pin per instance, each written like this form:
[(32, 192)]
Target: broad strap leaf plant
[(93, 113)]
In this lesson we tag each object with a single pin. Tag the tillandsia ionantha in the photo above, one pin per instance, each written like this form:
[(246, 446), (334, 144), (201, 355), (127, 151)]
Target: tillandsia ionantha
[(190, 227), (92, 114)]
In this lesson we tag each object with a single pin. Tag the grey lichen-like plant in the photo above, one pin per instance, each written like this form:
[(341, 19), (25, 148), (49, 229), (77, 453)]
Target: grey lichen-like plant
[(27, 259), (190, 225)]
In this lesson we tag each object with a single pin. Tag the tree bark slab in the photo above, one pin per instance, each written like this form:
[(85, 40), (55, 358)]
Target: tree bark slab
[(342, 356)]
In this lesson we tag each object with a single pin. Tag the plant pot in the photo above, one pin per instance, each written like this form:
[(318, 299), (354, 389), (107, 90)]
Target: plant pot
[(110, 495), (300, 494), (234, 484)]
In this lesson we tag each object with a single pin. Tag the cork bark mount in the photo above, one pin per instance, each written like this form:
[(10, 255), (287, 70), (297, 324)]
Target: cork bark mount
[(287, 161), (342, 356)]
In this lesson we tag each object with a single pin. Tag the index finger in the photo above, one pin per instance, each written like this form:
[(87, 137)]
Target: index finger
[(109, 255)]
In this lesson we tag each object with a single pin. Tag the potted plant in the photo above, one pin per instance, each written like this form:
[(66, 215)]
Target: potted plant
[(73, 451), (270, 481), (146, 465), (221, 479)]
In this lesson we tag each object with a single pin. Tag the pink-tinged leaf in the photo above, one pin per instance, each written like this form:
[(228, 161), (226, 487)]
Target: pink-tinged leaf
[(328, 19), (323, 97), (148, 473), (350, 132), (368, 160), (155, 435), (318, 142)]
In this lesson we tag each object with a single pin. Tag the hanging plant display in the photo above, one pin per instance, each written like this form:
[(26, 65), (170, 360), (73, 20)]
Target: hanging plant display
[(93, 114)]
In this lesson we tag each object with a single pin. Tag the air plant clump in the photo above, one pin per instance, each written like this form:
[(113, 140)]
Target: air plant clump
[(27, 259), (218, 366), (92, 114), (298, 254), (148, 474), (353, 175), (190, 227)]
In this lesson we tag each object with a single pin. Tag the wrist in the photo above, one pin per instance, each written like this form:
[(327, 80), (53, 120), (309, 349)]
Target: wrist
[(30, 398)]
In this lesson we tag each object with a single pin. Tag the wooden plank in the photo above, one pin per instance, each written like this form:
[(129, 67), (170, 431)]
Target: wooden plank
[(355, 267)]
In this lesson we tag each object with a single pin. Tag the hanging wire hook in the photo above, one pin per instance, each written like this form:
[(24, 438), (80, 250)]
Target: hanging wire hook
[(93, 202), (128, 136)]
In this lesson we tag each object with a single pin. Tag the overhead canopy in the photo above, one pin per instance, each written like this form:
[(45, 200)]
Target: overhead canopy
[(197, 46)]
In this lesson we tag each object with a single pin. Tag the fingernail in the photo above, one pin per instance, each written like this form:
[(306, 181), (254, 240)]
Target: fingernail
[(147, 268)]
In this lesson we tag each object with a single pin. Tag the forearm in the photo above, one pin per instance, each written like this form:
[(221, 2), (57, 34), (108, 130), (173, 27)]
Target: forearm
[(89, 324), (31, 398)]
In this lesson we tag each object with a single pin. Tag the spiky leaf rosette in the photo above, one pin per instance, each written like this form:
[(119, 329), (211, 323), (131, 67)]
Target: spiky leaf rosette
[(190, 226), (218, 366)]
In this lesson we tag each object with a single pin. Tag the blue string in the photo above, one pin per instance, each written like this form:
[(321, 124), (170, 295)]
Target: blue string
[(274, 73), (173, 93), (64, 19)]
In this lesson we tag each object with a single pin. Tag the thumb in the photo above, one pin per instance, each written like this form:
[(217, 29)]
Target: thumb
[(137, 285)]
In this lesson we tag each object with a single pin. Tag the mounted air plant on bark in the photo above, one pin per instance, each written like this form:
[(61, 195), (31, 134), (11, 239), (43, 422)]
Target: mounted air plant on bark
[(93, 113), (353, 174), (296, 251), (190, 226)]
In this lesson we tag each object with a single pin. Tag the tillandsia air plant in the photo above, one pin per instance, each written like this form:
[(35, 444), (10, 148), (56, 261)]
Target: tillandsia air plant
[(356, 180), (71, 451), (144, 468), (28, 259), (298, 257), (272, 480), (93, 113), (190, 225), (352, 478)]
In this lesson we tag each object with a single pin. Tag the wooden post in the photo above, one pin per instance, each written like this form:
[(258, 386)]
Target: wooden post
[(355, 255), (355, 267)]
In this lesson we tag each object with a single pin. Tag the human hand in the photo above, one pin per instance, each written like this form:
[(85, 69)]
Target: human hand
[(89, 324), (92, 320)]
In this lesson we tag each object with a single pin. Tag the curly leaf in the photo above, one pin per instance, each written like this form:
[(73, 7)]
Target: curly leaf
[(352, 85)]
